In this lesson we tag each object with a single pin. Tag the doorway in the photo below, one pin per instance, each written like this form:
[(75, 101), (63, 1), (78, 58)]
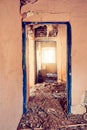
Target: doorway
[(42, 38), (46, 61)]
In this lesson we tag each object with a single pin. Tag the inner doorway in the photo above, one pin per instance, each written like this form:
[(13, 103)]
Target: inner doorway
[(46, 61), (51, 36)]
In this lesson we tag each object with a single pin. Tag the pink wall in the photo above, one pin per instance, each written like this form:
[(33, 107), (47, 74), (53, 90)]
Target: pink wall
[(11, 51), (10, 65)]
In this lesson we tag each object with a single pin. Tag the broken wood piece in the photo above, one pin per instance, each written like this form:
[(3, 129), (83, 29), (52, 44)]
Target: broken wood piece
[(67, 126), (38, 128)]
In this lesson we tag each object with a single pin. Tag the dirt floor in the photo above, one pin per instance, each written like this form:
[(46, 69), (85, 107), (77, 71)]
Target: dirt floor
[(46, 110)]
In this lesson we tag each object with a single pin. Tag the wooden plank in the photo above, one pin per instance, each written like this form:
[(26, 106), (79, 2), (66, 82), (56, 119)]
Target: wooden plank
[(74, 125)]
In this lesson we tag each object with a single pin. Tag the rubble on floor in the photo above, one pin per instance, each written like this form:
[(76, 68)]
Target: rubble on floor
[(46, 110)]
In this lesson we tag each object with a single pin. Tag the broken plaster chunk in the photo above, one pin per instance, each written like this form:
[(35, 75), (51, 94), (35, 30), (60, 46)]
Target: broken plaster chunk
[(85, 116), (51, 110), (78, 109), (38, 128)]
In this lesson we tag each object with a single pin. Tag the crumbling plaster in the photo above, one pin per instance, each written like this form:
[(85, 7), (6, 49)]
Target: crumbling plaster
[(74, 12)]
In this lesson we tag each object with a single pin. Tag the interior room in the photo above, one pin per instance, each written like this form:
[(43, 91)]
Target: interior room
[(38, 92), (48, 57)]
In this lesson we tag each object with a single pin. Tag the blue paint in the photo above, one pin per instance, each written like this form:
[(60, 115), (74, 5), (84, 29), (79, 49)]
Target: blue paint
[(46, 23), (24, 68), (69, 71)]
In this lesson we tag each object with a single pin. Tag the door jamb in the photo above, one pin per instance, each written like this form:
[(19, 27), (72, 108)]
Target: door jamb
[(69, 67)]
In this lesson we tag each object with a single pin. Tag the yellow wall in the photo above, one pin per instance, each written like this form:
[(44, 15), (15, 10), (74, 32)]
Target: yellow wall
[(62, 52), (31, 60), (10, 65)]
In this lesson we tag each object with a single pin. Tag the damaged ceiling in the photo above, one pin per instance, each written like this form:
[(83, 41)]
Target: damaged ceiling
[(50, 30)]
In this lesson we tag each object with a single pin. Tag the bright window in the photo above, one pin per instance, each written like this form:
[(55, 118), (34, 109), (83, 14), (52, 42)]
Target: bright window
[(48, 55)]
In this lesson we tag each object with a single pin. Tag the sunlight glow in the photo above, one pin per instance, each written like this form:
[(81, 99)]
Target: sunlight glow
[(48, 55)]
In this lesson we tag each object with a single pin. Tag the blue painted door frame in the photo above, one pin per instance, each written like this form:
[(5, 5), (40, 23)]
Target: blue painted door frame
[(69, 69)]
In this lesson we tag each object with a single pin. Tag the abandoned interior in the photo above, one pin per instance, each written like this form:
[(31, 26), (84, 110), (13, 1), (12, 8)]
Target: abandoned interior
[(43, 66)]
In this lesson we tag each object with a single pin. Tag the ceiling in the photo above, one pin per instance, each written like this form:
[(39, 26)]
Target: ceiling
[(43, 30)]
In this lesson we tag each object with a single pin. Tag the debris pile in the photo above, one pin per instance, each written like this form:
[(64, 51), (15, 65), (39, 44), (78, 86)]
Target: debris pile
[(46, 109)]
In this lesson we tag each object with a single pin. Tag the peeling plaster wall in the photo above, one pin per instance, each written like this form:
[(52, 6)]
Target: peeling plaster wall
[(10, 65), (76, 13)]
